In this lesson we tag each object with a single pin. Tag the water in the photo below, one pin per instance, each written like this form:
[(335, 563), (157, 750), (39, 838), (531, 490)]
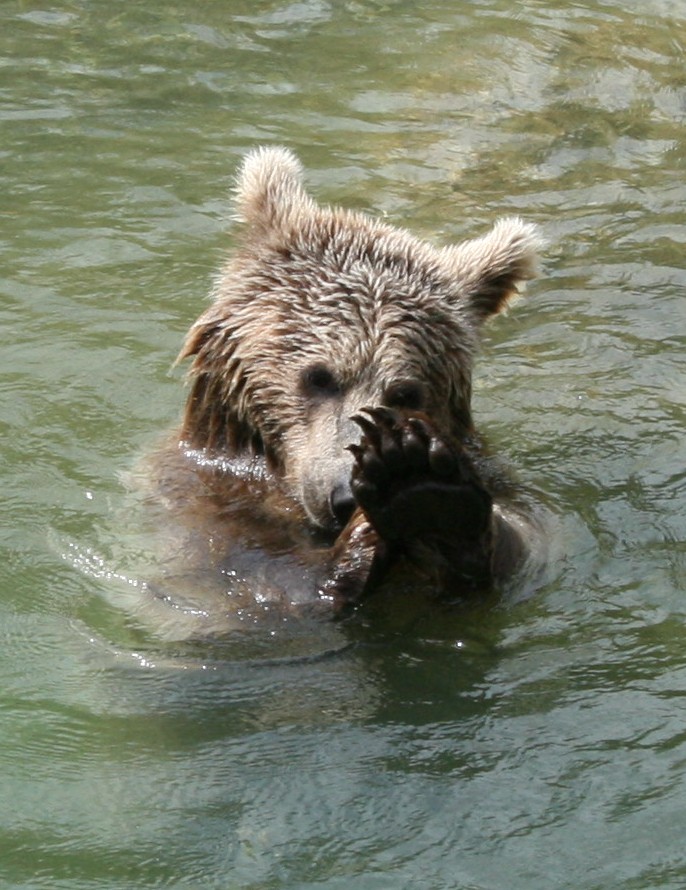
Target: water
[(538, 744)]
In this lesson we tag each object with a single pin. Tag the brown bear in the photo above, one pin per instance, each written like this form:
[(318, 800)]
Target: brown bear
[(327, 443)]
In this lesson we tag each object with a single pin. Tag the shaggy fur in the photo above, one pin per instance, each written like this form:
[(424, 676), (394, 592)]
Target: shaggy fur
[(321, 313)]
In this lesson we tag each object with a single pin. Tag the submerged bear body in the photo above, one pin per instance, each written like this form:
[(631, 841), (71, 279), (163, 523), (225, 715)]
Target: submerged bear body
[(328, 438)]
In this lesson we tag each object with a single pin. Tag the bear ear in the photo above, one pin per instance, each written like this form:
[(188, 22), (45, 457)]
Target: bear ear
[(491, 270), (269, 189)]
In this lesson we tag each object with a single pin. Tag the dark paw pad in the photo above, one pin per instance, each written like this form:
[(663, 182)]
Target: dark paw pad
[(413, 485)]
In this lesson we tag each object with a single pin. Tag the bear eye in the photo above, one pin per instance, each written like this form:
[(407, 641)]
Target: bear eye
[(405, 394), (319, 381)]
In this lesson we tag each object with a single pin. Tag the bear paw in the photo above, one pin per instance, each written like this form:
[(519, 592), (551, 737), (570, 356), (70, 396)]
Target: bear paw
[(418, 489)]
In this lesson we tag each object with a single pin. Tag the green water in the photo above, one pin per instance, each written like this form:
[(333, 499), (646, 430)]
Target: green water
[(521, 746)]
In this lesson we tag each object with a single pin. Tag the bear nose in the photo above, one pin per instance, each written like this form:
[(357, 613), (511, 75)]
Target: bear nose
[(342, 503)]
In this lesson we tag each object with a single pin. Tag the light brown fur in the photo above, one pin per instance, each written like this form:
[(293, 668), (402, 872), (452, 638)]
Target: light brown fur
[(320, 313)]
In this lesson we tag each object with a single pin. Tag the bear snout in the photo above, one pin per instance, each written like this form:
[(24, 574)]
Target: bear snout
[(342, 503)]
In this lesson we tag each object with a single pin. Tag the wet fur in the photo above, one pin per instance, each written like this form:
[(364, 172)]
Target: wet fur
[(320, 314)]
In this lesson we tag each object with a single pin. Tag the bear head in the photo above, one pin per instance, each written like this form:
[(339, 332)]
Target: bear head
[(324, 311)]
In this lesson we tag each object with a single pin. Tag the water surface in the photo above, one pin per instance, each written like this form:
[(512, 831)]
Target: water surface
[(521, 745)]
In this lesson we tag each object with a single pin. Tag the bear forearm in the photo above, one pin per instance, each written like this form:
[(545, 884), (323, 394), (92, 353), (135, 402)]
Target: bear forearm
[(358, 561)]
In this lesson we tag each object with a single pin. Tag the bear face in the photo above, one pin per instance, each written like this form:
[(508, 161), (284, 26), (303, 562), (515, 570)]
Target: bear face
[(323, 312)]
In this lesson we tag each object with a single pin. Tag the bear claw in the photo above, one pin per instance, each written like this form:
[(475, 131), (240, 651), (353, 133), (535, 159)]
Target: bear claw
[(413, 484), (401, 441)]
